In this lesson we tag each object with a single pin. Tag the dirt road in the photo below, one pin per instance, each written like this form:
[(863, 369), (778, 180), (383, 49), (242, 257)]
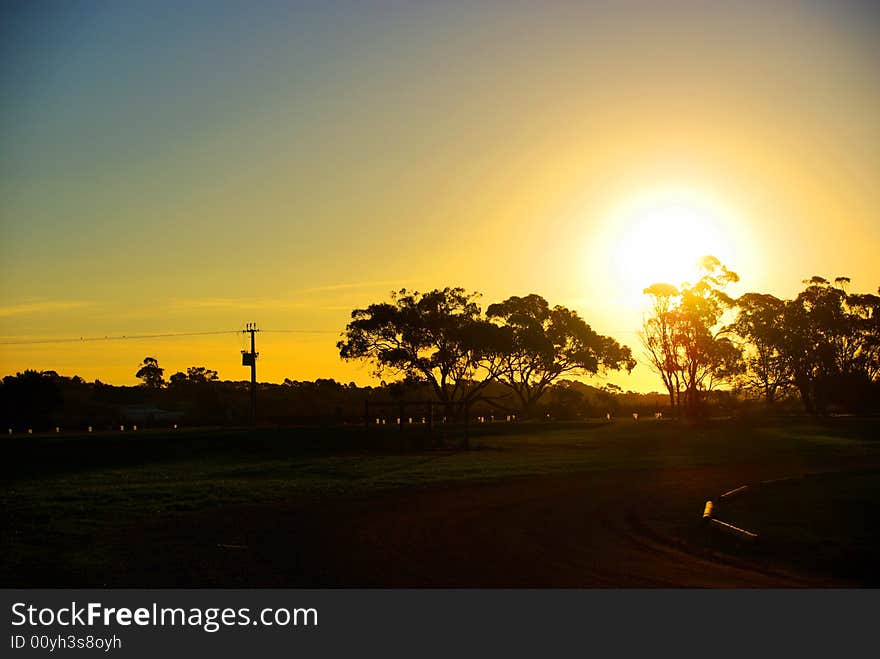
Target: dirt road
[(597, 529)]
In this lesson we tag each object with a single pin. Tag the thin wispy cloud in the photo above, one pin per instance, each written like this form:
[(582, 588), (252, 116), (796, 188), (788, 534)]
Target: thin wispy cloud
[(43, 306), (305, 301), (237, 303), (347, 286)]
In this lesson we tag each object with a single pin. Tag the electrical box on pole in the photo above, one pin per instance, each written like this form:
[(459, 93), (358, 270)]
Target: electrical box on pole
[(250, 359)]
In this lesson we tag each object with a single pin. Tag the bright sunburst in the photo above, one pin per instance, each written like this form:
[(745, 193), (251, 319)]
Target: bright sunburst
[(660, 235)]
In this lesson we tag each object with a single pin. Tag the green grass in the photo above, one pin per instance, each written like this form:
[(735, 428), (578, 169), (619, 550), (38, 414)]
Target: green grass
[(828, 523), (165, 471), (57, 491)]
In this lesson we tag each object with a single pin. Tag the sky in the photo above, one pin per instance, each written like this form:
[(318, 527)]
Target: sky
[(190, 167)]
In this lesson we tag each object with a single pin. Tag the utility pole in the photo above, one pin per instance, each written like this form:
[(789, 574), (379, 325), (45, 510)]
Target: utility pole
[(250, 359)]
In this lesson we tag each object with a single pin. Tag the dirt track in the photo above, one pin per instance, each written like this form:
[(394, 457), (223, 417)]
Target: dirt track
[(597, 529)]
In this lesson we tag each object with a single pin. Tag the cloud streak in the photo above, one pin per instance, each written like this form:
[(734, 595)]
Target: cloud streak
[(237, 303), (45, 306), (304, 302), (348, 286)]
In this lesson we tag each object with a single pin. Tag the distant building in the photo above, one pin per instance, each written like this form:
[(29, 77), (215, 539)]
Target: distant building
[(147, 414)]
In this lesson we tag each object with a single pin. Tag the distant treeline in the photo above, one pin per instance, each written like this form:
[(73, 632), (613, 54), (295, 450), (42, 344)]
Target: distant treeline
[(45, 400), (822, 346), (817, 353)]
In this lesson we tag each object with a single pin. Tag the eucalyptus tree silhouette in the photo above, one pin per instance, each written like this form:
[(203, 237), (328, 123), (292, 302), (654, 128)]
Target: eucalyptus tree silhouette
[(682, 338), (193, 375), (760, 323), (832, 345), (151, 373), (30, 399), (439, 337), (541, 344)]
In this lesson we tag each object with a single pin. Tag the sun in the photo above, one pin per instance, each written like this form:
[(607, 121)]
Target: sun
[(659, 235)]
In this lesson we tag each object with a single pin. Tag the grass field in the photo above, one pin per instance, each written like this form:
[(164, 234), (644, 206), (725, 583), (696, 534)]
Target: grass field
[(827, 523), (70, 505)]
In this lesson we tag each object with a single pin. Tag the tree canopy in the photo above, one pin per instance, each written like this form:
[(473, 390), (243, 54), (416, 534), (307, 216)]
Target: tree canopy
[(542, 344), (151, 373), (439, 337), (193, 375), (682, 339), (830, 345), (443, 338), (760, 324)]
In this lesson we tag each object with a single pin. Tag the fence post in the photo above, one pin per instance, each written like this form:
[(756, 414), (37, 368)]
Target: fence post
[(467, 422)]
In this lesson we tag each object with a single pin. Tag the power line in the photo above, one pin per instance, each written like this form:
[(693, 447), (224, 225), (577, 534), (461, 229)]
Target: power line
[(163, 335), (126, 337), (250, 359), (300, 331), (120, 337)]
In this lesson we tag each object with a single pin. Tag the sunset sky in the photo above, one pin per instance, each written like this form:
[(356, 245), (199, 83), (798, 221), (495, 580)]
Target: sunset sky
[(176, 167)]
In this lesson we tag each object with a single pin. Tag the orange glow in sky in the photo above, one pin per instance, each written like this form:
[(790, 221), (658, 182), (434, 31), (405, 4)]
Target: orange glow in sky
[(285, 165)]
